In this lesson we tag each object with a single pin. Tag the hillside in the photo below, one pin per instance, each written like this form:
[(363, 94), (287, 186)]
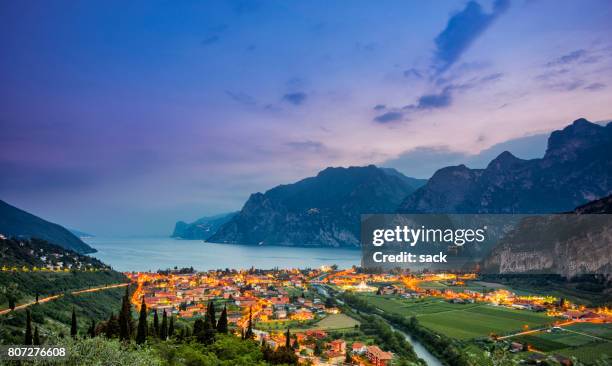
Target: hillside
[(571, 244), (18, 223), (576, 168), (202, 228), (42, 254), (318, 211)]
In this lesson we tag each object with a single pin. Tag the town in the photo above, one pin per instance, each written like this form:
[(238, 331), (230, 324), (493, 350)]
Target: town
[(282, 303)]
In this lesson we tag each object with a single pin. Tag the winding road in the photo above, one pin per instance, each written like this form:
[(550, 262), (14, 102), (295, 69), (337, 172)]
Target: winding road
[(55, 297)]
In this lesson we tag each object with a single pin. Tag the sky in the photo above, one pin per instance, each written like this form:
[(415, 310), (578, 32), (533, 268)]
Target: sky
[(120, 118)]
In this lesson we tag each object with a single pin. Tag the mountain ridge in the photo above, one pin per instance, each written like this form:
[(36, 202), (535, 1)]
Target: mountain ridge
[(15, 222), (575, 169), (322, 210)]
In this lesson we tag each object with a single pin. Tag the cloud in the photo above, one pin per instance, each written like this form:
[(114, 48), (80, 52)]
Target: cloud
[(435, 101), (241, 98), (568, 58), (296, 98), (210, 40), (413, 73), (389, 117), (461, 30), (422, 162), (308, 145), (595, 86)]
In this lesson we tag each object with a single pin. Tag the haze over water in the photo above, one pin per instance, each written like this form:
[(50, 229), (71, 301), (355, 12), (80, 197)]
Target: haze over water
[(153, 253)]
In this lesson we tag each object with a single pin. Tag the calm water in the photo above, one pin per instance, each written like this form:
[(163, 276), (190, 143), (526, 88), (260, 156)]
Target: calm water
[(144, 254)]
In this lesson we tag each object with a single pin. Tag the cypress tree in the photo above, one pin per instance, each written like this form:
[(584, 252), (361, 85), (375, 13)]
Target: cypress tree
[(92, 329), (222, 323), (141, 335), (287, 339), (155, 323), (198, 327), (125, 316), (171, 327), (37, 297), (73, 324), (207, 335), (212, 314), (36, 339), (28, 333), (249, 332), (163, 332)]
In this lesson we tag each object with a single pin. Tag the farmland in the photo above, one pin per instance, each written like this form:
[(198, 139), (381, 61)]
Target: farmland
[(330, 322), (586, 341), (462, 321)]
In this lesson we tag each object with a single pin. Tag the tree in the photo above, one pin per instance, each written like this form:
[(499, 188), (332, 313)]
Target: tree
[(141, 333), (198, 327), (318, 349), (112, 326), (125, 316), (210, 310), (92, 329), (222, 323), (163, 332), (349, 358), (155, 323), (37, 297), (288, 339), (73, 324), (249, 332), (296, 344), (28, 332), (36, 339), (207, 335), (171, 327)]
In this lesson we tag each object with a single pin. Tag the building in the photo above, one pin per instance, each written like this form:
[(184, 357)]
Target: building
[(378, 357), (358, 348), (338, 346)]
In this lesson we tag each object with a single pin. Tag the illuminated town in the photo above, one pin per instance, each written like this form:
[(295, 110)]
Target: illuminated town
[(272, 301)]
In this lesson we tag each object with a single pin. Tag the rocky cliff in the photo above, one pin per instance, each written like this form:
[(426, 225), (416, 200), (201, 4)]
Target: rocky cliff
[(569, 244), (202, 228)]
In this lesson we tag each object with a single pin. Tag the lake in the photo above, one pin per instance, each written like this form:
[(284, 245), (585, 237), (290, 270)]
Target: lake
[(151, 254)]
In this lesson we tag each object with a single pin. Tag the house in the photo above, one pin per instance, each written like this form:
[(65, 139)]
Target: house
[(358, 348), (378, 357), (338, 345), (516, 347)]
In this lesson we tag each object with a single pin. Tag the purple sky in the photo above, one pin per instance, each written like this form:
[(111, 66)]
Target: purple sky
[(120, 118)]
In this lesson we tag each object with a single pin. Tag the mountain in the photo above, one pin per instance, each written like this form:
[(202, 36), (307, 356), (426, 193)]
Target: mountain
[(18, 223), (16, 252), (318, 211), (81, 234), (202, 228), (571, 244), (576, 168)]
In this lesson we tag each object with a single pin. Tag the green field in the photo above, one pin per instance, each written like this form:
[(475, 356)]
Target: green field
[(461, 321), (596, 330), (330, 322), (585, 341), (336, 321)]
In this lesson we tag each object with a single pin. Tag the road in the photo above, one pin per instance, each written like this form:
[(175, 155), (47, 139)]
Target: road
[(535, 330), (55, 297)]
